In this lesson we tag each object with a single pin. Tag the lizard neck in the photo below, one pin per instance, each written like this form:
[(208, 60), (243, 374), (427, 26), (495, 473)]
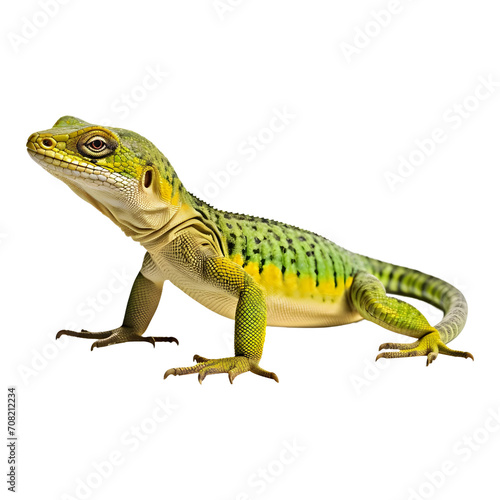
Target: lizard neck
[(189, 214), (152, 224), (156, 239)]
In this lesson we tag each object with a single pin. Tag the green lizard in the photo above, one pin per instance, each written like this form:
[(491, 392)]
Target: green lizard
[(255, 270)]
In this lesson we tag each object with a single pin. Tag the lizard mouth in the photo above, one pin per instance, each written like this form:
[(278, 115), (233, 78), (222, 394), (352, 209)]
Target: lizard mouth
[(63, 166)]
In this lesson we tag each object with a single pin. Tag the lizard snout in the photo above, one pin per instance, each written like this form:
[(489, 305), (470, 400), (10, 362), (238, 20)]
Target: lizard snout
[(32, 141)]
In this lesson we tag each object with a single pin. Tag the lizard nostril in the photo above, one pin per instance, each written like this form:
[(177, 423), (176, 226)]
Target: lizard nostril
[(48, 143)]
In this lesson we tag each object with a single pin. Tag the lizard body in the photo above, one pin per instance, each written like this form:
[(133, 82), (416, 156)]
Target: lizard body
[(254, 270)]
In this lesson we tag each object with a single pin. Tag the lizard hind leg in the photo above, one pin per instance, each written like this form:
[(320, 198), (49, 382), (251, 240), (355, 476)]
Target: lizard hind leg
[(369, 298)]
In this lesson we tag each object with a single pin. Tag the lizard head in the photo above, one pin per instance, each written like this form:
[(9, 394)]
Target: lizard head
[(119, 172)]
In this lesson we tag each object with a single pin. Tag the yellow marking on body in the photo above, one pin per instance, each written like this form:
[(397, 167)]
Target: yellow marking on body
[(237, 259), (252, 268), (328, 288), (291, 283), (307, 285), (272, 277)]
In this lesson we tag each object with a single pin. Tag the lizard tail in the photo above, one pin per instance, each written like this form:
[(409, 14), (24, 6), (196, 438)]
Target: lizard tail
[(400, 280)]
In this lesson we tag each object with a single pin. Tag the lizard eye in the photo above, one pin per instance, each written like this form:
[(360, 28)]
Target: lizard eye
[(96, 145)]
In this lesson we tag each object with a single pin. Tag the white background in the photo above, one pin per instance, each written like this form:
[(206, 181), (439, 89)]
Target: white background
[(359, 429)]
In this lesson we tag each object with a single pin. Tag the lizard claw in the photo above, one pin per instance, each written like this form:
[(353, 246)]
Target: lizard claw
[(84, 334), (429, 345), (199, 359), (116, 336), (120, 337), (233, 366), (165, 339)]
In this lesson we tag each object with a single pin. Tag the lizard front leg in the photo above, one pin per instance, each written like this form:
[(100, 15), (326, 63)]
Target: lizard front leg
[(250, 324), (141, 306)]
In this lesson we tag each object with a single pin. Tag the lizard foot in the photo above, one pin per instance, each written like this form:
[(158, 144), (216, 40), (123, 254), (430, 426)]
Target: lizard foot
[(116, 336), (429, 345), (233, 366)]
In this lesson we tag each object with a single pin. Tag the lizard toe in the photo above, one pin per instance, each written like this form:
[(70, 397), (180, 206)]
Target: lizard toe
[(429, 345), (233, 366)]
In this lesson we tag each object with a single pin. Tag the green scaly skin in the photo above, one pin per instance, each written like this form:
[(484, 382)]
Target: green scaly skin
[(257, 271)]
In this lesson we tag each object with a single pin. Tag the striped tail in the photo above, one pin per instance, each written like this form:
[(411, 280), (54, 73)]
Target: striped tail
[(411, 283)]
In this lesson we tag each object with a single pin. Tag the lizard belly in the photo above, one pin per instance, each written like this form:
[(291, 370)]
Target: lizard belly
[(304, 312), (281, 310)]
